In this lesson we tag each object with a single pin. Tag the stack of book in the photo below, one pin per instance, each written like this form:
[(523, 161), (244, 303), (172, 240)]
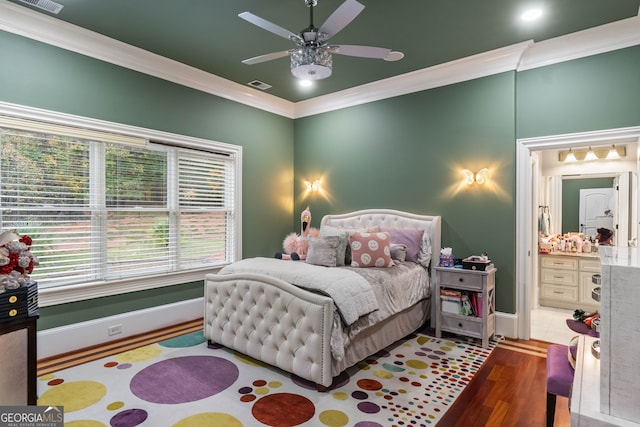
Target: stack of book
[(451, 300), (461, 302)]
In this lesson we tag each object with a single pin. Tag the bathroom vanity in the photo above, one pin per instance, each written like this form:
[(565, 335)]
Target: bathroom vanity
[(565, 280)]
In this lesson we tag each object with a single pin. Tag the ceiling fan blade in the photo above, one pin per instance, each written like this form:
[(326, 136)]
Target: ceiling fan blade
[(269, 26), (361, 51), (340, 18), (265, 57)]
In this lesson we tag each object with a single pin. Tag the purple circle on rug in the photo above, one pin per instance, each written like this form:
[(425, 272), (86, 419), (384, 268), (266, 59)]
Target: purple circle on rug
[(368, 407), (359, 395), (129, 418), (367, 424), (184, 379)]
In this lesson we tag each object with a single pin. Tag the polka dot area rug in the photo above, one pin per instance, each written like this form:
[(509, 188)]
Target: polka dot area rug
[(183, 382)]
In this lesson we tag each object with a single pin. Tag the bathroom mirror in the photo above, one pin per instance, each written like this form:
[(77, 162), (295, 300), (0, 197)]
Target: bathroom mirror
[(563, 182)]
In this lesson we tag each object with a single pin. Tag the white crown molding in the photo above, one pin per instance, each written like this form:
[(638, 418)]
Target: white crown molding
[(605, 38), (469, 68), (521, 56)]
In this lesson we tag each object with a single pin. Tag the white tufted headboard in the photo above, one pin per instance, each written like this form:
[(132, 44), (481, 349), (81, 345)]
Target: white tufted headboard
[(391, 219)]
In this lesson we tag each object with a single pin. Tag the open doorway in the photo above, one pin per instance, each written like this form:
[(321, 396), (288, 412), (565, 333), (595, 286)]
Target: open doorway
[(530, 155)]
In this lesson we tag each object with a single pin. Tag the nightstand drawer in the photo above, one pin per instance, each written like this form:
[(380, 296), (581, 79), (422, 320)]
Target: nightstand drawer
[(559, 293), (458, 279), (559, 277), (471, 326), (559, 262)]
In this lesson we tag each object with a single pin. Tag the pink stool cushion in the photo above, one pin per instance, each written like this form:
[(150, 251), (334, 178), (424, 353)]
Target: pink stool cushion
[(559, 370)]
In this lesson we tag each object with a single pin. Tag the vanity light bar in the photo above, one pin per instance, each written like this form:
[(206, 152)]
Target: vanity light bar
[(613, 152)]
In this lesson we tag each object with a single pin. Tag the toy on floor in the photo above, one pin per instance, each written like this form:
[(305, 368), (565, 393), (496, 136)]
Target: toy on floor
[(587, 318), (296, 246)]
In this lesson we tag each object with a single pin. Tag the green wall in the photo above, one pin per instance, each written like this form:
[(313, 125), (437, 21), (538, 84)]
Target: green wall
[(408, 153), (38, 75), (403, 153), (571, 199), (597, 92)]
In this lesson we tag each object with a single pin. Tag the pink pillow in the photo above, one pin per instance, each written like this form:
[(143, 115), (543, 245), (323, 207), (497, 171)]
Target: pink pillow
[(411, 238), (370, 249)]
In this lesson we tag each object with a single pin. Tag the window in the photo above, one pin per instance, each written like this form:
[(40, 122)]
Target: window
[(102, 211)]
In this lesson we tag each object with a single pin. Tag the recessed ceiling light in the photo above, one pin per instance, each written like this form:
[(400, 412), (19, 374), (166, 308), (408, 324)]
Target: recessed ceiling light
[(531, 14)]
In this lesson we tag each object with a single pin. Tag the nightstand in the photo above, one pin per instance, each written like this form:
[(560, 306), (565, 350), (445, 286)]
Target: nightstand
[(479, 287), (18, 358)]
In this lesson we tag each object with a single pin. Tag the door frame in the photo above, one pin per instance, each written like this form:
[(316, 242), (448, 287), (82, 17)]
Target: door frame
[(525, 230)]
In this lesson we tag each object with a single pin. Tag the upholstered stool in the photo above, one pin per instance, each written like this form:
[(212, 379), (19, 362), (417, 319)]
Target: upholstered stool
[(559, 377)]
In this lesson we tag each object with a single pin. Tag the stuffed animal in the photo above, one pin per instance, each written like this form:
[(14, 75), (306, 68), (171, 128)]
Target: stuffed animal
[(296, 246)]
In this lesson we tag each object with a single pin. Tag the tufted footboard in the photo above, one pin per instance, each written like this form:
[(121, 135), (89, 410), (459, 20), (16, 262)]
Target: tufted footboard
[(272, 321)]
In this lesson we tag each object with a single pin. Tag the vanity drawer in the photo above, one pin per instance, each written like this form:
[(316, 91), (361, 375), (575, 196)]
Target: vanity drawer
[(559, 293), (559, 262), (559, 277), (461, 280), (590, 265)]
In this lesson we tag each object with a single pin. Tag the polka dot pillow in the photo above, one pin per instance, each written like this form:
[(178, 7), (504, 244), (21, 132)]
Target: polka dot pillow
[(370, 249)]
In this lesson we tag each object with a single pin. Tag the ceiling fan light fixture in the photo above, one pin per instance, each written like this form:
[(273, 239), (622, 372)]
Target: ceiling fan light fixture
[(311, 63), (394, 56)]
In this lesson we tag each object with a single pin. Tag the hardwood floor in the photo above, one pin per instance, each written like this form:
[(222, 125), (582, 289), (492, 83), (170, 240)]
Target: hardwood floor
[(67, 360), (509, 389)]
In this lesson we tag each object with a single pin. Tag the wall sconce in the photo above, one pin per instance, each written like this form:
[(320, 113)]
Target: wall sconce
[(592, 154), (480, 177), (313, 186)]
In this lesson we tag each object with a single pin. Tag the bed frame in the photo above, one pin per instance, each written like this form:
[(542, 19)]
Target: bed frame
[(283, 325)]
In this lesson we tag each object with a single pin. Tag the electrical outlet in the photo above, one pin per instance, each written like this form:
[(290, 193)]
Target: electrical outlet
[(114, 330)]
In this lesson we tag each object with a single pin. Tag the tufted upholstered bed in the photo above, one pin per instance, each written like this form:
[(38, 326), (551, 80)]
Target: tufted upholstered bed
[(297, 330)]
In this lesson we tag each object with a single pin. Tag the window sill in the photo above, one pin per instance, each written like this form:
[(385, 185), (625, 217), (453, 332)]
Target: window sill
[(72, 293)]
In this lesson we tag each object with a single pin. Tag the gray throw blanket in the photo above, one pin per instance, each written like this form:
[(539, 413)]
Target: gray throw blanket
[(352, 295)]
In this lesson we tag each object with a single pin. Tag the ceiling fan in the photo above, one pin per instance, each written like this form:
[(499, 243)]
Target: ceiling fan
[(311, 59)]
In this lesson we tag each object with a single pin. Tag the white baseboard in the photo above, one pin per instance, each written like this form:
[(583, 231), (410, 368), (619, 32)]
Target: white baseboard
[(507, 325), (68, 338)]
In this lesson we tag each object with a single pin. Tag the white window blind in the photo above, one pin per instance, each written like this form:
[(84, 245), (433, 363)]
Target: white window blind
[(102, 211)]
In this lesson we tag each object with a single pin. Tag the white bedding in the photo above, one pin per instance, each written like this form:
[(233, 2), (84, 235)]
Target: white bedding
[(396, 289), (362, 296), (352, 294)]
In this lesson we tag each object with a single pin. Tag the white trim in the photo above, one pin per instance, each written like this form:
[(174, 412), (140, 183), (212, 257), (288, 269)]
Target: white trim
[(524, 205), (507, 325), (64, 339), (65, 294), (85, 291), (605, 38), (472, 67), (521, 56), (39, 114)]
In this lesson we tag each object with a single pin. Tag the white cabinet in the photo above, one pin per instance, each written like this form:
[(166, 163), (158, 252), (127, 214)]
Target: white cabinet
[(620, 334), (606, 391), (480, 283), (565, 281), (588, 267)]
